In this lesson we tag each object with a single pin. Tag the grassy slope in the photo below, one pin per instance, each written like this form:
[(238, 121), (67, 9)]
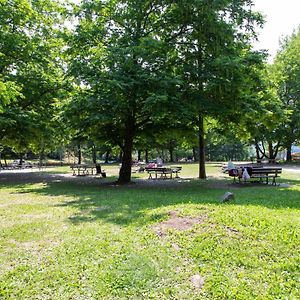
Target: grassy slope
[(64, 240)]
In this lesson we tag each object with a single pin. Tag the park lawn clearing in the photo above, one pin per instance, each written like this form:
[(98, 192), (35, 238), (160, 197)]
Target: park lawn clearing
[(66, 239)]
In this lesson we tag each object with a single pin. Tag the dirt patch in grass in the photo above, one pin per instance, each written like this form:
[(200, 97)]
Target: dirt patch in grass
[(178, 223)]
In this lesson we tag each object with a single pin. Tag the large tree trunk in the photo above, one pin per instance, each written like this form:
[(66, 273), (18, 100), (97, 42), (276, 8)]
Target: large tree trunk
[(271, 152), (125, 171), (171, 154), (139, 155), (171, 147), (21, 159), (289, 152), (202, 172), (94, 155), (79, 153), (146, 156), (107, 156)]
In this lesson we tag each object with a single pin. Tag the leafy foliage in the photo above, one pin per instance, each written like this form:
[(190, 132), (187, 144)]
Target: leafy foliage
[(122, 65), (140, 63), (31, 75), (286, 73)]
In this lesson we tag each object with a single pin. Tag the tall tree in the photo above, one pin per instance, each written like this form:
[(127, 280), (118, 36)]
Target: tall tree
[(31, 72), (121, 62), (214, 48)]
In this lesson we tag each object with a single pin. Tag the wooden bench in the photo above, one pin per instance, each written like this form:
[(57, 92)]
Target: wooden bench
[(266, 174), (261, 174), (295, 156)]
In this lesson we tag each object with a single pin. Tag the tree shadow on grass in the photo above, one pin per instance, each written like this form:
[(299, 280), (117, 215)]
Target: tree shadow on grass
[(126, 205), (101, 200)]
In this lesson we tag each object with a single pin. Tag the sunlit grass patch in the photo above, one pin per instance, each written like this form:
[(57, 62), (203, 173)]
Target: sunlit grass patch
[(93, 240)]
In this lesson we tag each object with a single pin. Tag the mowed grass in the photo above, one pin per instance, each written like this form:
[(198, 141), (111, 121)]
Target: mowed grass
[(77, 239)]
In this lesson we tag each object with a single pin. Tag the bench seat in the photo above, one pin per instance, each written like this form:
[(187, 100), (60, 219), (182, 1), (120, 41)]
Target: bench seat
[(263, 174)]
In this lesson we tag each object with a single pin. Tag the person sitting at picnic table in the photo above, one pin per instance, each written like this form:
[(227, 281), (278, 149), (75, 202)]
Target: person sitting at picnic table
[(232, 169), (151, 165), (159, 162), (230, 165)]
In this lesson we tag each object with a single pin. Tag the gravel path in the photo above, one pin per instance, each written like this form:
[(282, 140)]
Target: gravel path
[(295, 169)]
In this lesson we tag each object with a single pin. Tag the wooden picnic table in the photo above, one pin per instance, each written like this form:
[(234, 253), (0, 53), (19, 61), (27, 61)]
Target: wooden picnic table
[(82, 170), (176, 170), (163, 172)]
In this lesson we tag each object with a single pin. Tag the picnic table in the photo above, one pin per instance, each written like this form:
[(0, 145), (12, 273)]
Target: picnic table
[(163, 172), (16, 165), (262, 174), (82, 170)]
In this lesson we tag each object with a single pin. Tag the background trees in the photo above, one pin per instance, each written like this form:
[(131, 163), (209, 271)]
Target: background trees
[(31, 75), (136, 59), (274, 124), (286, 75), (143, 75)]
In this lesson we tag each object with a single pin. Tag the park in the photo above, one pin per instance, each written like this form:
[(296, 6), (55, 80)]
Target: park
[(83, 237), (147, 151)]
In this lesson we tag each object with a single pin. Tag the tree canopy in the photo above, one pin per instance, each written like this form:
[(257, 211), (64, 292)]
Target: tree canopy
[(142, 64), (31, 74), (138, 74), (286, 75)]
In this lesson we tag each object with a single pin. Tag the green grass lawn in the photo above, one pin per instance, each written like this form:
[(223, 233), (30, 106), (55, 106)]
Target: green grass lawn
[(64, 239)]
